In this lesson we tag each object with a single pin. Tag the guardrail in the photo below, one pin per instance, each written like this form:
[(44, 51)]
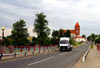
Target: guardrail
[(85, 55), (41, 49)]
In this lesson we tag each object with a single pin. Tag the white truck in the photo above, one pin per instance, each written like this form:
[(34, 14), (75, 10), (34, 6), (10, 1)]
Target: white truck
[(64, 44)]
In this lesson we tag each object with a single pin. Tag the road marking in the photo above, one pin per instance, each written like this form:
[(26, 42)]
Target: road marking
[(41, 61), (62, 54)]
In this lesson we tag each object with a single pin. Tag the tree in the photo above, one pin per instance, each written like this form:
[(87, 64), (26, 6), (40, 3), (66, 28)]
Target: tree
[(93, 37), (67, 34), (41, 28), (55, 34), (72, 41), (8, 41), (20, 33), (55, 37), (84, 36), (88, 38), (98, 40), (34, 41), (54, 41), (61, 31)]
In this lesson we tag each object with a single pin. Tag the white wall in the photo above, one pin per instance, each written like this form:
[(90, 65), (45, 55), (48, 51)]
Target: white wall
[(80, 39)]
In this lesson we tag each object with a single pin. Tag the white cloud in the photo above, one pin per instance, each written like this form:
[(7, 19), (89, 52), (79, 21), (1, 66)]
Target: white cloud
[(60, 13)]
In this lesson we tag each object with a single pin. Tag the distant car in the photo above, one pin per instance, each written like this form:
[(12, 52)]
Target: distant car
[(64, 44)]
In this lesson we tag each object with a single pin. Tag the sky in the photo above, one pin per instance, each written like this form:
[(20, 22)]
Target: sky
[(60, 14)]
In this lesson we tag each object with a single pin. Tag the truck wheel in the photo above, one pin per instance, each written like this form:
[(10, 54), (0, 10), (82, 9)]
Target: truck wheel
[(60, 50), (71, 49)]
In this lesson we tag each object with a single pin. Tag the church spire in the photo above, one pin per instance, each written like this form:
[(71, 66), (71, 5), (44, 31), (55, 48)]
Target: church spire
[(77, 29), (77, 24)]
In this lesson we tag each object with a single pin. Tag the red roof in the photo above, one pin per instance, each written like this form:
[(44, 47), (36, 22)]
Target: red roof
[(79, 37), (72, 31), (77, 24)]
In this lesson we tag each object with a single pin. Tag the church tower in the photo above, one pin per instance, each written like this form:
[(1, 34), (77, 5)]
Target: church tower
[(77, 29)]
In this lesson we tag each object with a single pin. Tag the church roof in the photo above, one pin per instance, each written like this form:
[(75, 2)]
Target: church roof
[(77, 24), (79, 37), (72, 31)]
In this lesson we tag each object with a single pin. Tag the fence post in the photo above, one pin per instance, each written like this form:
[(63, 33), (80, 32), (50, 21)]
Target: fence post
[(28, 48), (14, 55), (21, 49), (47, 48), (34, 49), (50, 47), (32, 52), (1, 55), (25, 54), (44, 48), (39, 49), (53, 48)]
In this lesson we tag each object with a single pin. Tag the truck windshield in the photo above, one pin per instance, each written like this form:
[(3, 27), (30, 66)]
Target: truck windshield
[(63, 42)]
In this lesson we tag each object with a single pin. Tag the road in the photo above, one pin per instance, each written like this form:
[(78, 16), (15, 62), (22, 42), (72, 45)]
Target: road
[(51, 60)]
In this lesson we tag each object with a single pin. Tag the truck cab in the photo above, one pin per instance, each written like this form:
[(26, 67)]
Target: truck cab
[(64, 44)]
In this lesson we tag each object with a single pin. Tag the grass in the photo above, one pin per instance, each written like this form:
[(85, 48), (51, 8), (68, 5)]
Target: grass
[(77, 43), (91, 46)]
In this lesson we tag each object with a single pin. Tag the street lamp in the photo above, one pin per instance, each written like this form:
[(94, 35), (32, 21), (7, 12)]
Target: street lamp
[(2, 28)]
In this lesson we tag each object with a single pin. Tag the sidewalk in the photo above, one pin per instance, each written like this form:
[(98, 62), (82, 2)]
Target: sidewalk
[(92, 61)]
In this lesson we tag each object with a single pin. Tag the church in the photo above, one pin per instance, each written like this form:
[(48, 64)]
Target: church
[(76, 31), (75, 34)]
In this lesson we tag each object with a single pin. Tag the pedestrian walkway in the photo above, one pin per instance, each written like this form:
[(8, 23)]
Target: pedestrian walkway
[(93, 59)]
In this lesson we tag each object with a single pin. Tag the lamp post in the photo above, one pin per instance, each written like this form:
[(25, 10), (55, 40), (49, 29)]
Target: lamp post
[(2, 28)]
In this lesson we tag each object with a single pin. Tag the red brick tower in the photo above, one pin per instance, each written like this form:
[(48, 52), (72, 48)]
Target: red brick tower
[(77, 29)]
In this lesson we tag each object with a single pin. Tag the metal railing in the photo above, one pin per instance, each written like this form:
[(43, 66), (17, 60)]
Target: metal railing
[(41, 49), (85, 55)]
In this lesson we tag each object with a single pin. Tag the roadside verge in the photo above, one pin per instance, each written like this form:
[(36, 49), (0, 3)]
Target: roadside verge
[(82, 59)]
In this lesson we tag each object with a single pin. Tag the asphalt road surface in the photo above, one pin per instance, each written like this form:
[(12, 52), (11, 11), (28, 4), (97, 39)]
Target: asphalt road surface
[(51, 60)]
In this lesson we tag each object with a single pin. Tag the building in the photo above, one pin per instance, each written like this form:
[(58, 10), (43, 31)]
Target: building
[(75, 34), (80, 39), (76, 31)]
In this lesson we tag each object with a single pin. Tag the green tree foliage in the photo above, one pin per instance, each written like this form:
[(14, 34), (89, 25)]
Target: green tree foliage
[(72, 41), (54, 41), (84, 36), (34, 41), (67, 34), (20, 33), (55, 37), (41, 28), (61, 31), (8, 41), (55, 34), (98, 40), (89, 38), (48, 41), (93, 37)]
